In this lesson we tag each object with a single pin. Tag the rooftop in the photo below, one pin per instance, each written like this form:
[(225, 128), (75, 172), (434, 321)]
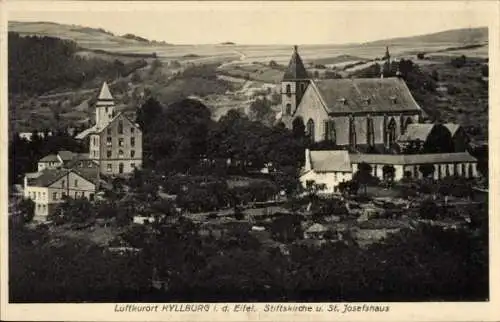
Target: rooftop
[(365, 95), (295, 69)]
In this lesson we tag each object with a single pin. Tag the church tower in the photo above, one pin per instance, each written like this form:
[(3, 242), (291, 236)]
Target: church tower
[(386, 68), (104, 108), (293, 85)]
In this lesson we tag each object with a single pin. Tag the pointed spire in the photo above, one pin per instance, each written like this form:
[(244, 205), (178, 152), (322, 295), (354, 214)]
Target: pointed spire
[(295, 69), (387, 55), (105, 94)]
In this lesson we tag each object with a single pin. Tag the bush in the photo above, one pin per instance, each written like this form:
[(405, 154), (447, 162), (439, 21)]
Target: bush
[(459, 61)]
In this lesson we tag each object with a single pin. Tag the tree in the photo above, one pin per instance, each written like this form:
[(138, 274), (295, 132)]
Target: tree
[(389, 172), (363, 176), (421, 55), (313, 188), (429, 209), (426, 169), (287, 227), (27, 209), (459, 62), (273, 64)]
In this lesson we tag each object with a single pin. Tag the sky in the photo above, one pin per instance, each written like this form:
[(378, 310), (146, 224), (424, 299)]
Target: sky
[(326, 22)]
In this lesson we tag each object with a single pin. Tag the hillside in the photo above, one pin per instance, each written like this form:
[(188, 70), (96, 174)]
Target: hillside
[(94, 38), (457, 36)]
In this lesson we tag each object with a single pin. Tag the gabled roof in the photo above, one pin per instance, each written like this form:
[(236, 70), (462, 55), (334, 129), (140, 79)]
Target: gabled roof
[(85, 133), (66, 155), (417, 131), (49, 158), (295, 69), (365, 95), (330, 161), (316, 228), (452, 127), (47, 177), (98, 130), (408, 159), (105, 94)]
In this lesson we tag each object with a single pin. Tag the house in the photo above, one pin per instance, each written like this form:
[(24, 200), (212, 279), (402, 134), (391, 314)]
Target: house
[(316, 231), (335, 166), (48, 188), (115, 142), (65, 159), (427, 138), (357, 113), (28, 136), (327, 167)]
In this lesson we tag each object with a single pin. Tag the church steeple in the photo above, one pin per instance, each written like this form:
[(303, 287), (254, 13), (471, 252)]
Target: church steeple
[(104, 108), (295, 69), (294, 84)]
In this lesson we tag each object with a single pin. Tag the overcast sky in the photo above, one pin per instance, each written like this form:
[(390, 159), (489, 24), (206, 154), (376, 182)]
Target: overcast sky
[(258, 22)]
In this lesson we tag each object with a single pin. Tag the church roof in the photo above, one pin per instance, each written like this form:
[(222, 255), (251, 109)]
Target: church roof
[(418, 131), (295, 69), (330, 161), (407, 159), (365, 95), (105, 94)]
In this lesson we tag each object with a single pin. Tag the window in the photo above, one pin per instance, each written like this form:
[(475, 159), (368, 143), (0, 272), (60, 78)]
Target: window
[(109, 141), (91, 197), (109, 167), (352, 132), (62, 183), (54, 195), (120, 127), (310, 130), (391, 132), (302, 87), (370, 136), (120, 168), (76, 194), (108, 131), (76, 183), (120, 142), (132, 153), (132, 142), (95, 140), (132, 130), (132, 165), (108, 153), (39, 196), (288, 89), (63, 194), (107, 110), (120, 153), (288, 110)]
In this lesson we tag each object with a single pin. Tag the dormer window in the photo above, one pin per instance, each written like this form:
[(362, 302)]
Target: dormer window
[(342, 101), (393, 99), (367, 100)]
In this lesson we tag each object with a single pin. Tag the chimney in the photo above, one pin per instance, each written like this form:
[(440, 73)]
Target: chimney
[(308, 166)]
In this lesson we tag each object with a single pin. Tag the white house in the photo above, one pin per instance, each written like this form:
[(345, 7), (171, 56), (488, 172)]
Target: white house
[(335, 166), (47, 188)]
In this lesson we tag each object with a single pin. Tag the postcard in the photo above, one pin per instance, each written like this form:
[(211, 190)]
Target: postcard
[(249, 161)]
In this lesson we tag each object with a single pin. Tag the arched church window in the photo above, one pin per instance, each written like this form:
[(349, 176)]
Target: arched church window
[(310, 130), (405, 124), (370, 135), (288, 109), (352, 132), (330, 134), (391, 132)]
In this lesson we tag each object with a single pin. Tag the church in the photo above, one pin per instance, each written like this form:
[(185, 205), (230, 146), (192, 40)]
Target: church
[(355, 113), (368, 120), (115, 142)]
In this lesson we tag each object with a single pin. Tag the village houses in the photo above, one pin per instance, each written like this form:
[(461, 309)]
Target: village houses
[(370, 120)]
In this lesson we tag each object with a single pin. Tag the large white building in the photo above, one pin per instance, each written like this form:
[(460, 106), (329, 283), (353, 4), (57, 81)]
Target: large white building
[(336, 166), (115, 142)]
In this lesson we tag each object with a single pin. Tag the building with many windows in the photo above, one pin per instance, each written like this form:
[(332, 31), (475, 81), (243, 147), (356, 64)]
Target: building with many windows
[(48, 188), (115, 142)]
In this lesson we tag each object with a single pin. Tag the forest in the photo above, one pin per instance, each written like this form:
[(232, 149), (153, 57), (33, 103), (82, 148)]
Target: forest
[(41, 64)]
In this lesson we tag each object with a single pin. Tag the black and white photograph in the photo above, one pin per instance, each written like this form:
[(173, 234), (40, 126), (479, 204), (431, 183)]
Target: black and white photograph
[(279, 152)]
